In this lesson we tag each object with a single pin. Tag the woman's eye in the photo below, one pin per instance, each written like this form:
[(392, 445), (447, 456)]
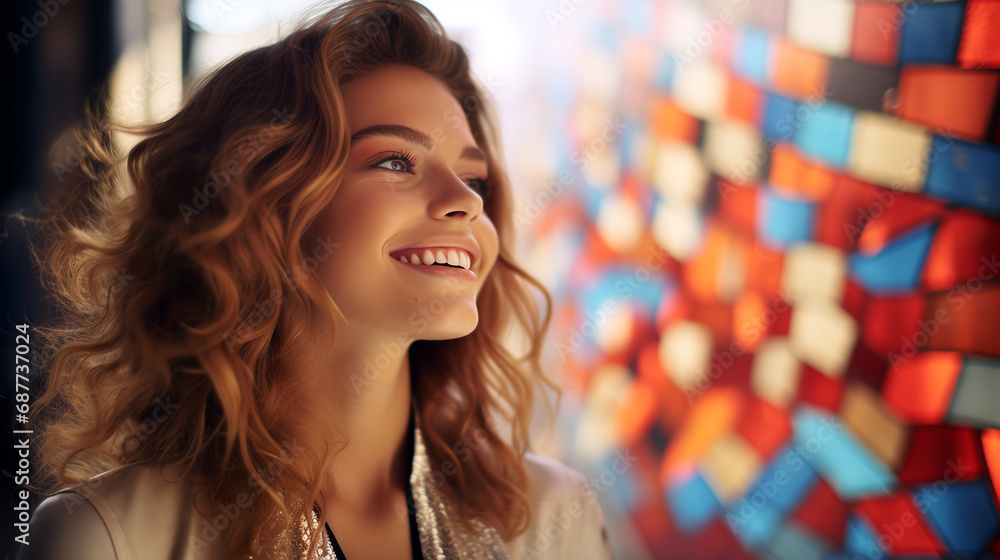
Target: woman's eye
[(481, 186), (393, 164), (398, 161)]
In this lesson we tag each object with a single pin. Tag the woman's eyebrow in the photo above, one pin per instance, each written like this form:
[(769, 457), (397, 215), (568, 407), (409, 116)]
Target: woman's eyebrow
[(414, 136)]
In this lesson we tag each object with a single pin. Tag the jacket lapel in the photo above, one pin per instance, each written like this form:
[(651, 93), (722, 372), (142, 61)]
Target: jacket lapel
[(441, 535)]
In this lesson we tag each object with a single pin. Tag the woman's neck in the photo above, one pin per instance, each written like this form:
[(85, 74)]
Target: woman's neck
[(361, 389)]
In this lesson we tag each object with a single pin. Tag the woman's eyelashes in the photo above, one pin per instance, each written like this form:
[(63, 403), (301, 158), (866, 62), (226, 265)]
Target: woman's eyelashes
[(401, 162), (481, 186), (404, 162)]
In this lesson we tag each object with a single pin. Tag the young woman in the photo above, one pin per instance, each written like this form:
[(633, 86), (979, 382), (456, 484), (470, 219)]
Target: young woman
[(283, 331)]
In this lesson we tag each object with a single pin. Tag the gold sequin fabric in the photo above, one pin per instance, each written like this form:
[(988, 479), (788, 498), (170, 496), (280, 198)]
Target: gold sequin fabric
[(442, 537), (327, 552)]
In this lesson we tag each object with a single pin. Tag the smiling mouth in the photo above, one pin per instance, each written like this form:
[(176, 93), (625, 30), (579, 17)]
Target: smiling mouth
[(448, 257), (440, 269)]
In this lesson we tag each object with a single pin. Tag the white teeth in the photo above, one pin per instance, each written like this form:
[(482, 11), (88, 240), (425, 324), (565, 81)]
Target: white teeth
[(452, 257)]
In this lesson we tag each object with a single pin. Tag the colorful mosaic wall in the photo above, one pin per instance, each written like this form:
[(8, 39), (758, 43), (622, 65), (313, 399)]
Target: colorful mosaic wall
[(776, 226)]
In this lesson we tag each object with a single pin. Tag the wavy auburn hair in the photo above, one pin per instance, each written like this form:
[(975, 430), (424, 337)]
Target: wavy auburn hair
[(162, 351)]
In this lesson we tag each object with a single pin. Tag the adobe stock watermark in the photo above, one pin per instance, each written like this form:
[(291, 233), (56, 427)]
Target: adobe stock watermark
[(362, 37), (610, 133), (464, 449), (624, 287), (221, 178), (785, 127), (753, 328), (709, 31), (533, 208), (30, 27), (455, 119), (608, 476), (794, 460), (958, 297), (544, 198), (223, 7), (159, 413), (892, 532), (135, 96), (120, 281), (212, 529), (557, 524), (886, 197), (895, 23), (918, 163), (291, 281), (564, 10), (391, 352)]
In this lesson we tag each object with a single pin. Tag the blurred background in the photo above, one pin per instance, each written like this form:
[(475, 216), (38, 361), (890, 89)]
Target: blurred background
[(771, 228)]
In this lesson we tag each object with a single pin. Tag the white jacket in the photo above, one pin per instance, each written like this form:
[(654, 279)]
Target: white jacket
[(135, 513)]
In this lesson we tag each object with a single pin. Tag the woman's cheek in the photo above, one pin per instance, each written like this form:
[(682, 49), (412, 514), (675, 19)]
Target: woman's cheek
[(490, 243)]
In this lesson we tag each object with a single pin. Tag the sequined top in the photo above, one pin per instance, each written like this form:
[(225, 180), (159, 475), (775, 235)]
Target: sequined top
[(135, 513)]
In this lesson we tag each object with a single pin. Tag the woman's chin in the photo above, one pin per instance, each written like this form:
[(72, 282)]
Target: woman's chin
[(447, 328)]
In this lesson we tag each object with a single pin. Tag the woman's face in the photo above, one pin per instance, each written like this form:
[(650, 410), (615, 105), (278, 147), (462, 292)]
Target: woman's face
[(412, 186)]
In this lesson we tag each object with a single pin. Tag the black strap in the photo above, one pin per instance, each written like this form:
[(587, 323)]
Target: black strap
[(335, 544), (411, 509), (415, 550)]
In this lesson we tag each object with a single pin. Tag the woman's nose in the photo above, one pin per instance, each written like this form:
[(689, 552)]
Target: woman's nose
[(454, 198)]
